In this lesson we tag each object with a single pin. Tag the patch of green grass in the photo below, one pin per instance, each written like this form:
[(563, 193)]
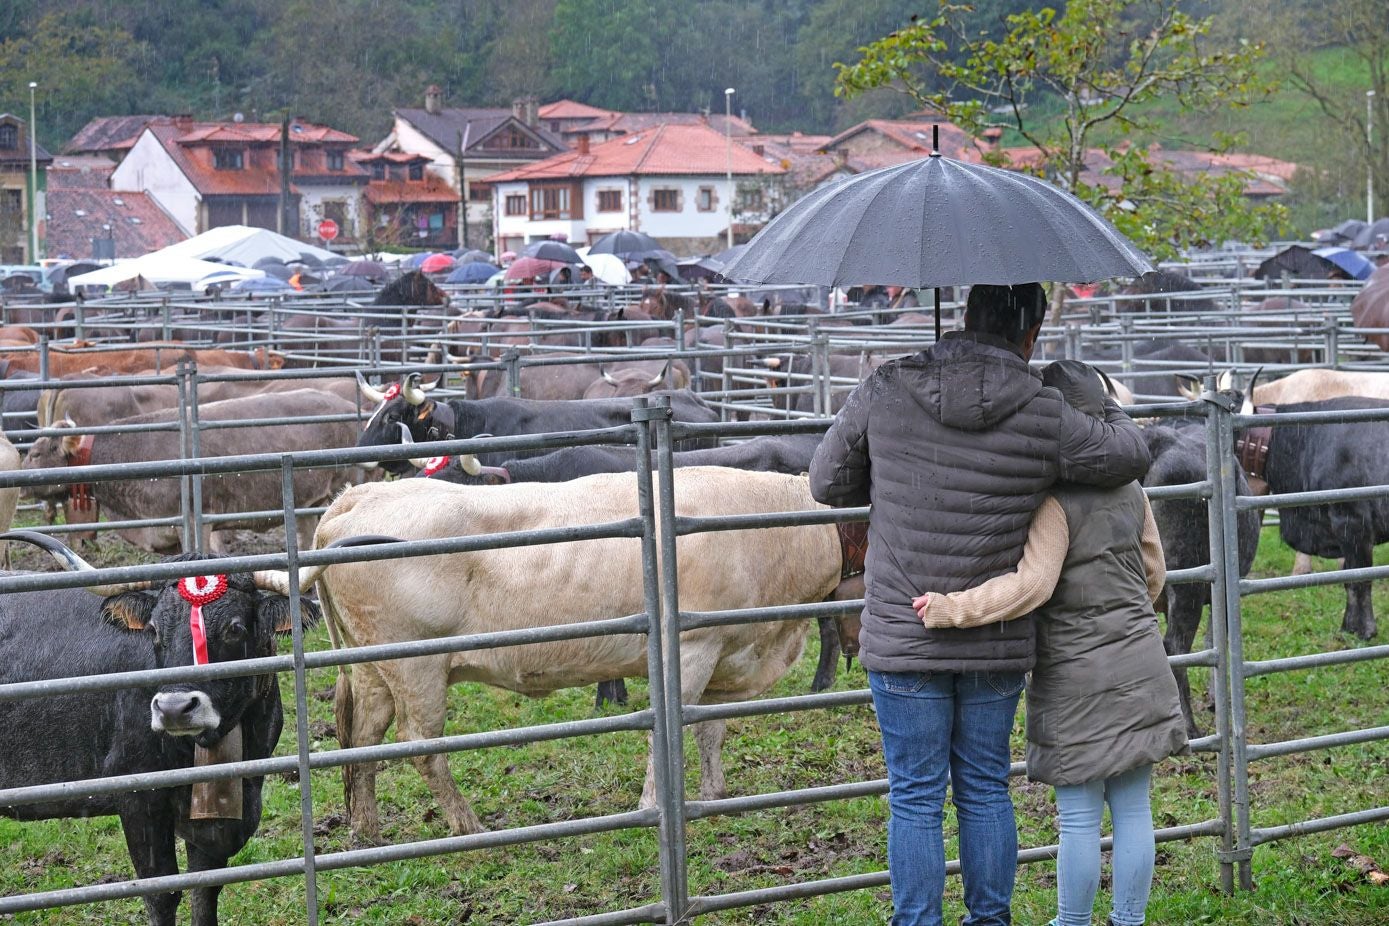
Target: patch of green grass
[(1299, 883)]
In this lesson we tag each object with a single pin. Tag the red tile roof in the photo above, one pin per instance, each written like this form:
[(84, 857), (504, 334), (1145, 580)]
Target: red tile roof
[(1270, 174), (914, 138), (636, 122), (75, 216), (264, 132), (572, 109), (80, 172), (429, 190), (676, 150), (108, 133)]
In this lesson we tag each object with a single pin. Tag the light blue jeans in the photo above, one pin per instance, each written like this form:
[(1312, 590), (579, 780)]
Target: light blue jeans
[(1080, 808)]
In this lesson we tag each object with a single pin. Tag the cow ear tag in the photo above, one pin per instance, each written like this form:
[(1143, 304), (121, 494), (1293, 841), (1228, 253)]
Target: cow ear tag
[(198, 591), (425, 411)]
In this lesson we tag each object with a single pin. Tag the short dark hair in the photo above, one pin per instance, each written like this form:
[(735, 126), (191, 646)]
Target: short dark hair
[(1007, 312)]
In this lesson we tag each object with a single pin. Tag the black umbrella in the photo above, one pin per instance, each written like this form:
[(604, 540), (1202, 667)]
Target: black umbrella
[(629, 245), (367, 269), (471, 256), (664, 265), (937, 222), (1375, 237), (1343, 234), (59, 275), (553, 250), (278, 271)]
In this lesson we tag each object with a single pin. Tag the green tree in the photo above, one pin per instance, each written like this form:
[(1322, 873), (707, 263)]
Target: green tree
[(1059, 79), (605, 51)]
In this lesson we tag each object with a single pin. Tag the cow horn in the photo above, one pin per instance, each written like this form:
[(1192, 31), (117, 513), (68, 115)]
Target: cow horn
[(1189, 386), (1225, 380), (407, 438), (1247, 407), (277, 580), (659, 377), (410, 389), (368, 392), (470, 464), (607, 377), (74, 563), (772, 363)]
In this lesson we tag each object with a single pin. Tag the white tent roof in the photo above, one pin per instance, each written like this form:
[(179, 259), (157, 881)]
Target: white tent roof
[(158, 268), (242, 244)]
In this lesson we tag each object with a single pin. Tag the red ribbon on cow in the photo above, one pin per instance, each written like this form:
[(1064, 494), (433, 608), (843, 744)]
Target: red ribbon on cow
[(198, 591), (434, 465), (391, 392)]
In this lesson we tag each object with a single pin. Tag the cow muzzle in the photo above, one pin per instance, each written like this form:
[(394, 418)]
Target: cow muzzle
[(183, 713)]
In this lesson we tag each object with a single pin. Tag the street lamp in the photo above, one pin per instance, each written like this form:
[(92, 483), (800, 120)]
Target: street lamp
[(728, 155), (33, 181), (1369, 157)]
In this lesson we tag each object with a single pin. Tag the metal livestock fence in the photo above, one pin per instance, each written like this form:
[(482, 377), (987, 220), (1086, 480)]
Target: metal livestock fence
[(657, 527)]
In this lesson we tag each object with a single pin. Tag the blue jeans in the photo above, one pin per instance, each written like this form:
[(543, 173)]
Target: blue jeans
[(1079, 808), (937, 725)]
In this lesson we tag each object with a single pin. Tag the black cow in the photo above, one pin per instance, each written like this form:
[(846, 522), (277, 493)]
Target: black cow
[(71, 737), (407, 408), (779, 453), (1179, 458), (1314, 457)]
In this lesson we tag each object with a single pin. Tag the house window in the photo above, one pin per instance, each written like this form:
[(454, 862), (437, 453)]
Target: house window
[(665, 200), (335, 160), (11, 203), (609, 200), (417, 171), (549, 202), (228, 158), (9, 136), (378, 170), (705, 199), (516, 204), (750, 199), (482, 193)]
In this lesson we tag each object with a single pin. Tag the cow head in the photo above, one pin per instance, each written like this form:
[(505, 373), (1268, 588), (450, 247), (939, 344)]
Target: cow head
[(404, 412), (624, 383), (237, 617), (51, 453)]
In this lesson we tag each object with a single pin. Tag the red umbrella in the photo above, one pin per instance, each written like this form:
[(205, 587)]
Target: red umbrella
[(438, 263), (525, 267)]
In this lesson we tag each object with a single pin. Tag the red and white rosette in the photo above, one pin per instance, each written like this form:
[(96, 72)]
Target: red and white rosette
[(198, 591), (434, 465), (391, 392)]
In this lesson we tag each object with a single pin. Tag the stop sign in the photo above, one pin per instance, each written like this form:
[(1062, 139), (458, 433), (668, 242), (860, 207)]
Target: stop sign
[(327, 229)]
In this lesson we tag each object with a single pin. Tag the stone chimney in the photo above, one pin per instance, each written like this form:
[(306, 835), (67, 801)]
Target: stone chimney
[(184, 122), (526, 109), (433, 100), (582, 146)]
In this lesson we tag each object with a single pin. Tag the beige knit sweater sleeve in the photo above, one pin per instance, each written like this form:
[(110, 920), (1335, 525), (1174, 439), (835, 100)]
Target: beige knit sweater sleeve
[(1016, 593), (1154, 562)]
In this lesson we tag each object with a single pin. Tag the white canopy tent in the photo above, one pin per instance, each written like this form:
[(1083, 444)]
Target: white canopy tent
[(159, 268), (244, 245)]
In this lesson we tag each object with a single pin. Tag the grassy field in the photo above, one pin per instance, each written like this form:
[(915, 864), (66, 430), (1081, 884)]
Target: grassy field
[(1299, 882)]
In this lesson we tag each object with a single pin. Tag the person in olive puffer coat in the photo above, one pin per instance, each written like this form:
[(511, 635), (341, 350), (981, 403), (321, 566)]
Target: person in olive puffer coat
[(955, 448), (1102, 703)]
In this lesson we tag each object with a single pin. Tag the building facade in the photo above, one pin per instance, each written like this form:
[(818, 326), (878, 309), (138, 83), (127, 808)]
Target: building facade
[(19, 208)]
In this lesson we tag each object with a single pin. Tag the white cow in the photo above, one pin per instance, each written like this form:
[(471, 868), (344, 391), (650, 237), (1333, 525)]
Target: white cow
[(525, 587)]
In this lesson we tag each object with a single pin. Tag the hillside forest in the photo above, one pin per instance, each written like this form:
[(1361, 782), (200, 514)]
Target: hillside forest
[(349, 62)]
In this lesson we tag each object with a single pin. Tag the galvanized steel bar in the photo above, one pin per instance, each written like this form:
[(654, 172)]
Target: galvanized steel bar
[(1315, 660), (301, 686), (1326, 741), (651, 913), (700, 810), (195, 446), (1269, 834)]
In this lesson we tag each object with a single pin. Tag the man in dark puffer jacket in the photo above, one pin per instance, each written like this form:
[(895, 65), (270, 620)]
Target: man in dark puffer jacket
[(955, 448)]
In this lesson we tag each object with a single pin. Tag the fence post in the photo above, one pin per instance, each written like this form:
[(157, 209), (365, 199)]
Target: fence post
[(185, 483), (824, 401), (1332, 330), (1126, 342), (43, 358), (195, 447), (675, 890), (1225, 604), (301, 690), (512, 359), (1073, 348)]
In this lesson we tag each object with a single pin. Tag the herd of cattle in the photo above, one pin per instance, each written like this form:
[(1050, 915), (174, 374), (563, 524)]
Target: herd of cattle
[(105, 629)]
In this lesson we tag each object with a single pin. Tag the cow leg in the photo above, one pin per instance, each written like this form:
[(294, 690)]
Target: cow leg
[(709, 740), (204, 899), (1184, 606), (420, 715), (829, 655), (1302, 564), (697, 666), (364, 709), (149, 837), (1360, 612), (611, 692)]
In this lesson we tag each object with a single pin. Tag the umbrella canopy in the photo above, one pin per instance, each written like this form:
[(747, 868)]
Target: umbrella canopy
[(438, 263), (524, 267), (268, 262), (342, 284), (472, 273), (158, 268), (1371, 307), (506, 257), (664, 265), (1343, 234), (59, 275), (265, 284), (278, 271), (414, 260), (937, 222), (472, 256), (1375, 237), (554, 251), (1306, 263), (368, 269), (608, 268), (625, 243)]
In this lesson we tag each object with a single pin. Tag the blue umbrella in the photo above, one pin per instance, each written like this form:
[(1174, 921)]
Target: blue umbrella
[(1352, 262), (476, 272), (414, 260), (266, 284)]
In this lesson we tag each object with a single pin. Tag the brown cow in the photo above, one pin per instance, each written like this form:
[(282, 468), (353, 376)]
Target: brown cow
[(77, 359)]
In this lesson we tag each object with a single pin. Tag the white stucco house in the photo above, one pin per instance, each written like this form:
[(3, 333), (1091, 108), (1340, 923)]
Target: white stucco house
[(210, 174), (670, 181)]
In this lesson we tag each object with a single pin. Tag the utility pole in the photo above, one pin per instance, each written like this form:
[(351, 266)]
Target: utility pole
[(1369, 157), (728, 156), (463, 183), (283, 225), (33, 180)]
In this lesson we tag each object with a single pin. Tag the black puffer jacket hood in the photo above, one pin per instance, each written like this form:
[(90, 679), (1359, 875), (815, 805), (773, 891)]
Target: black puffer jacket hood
[(955, 448)]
